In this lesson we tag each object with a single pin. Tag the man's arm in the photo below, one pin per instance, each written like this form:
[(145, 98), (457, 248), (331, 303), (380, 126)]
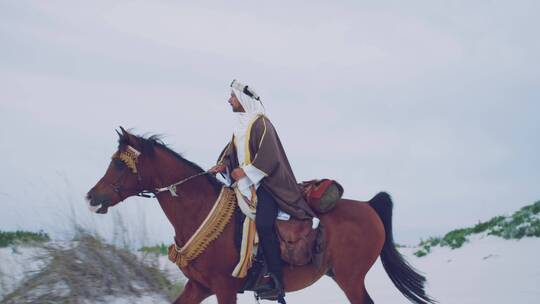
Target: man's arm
[(253, 173), (223, 161), (225, 155)]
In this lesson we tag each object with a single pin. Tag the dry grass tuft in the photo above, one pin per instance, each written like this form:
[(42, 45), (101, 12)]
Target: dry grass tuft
[(88, 271)]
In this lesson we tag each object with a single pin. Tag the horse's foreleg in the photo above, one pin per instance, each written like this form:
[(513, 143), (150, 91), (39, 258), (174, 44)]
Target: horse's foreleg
[(225, 289), (226, 298), (193, 293), (226, 292)]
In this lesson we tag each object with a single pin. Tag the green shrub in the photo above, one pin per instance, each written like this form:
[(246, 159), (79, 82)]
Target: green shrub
[(430, 242), (523, 223), (456, 238), (483, 226), (426, 246), (161, 249), (420, 253), (8, 238), (534, 229), (534, 208)]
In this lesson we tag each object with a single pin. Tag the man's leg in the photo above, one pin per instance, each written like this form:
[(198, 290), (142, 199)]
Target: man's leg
[(265, 220)]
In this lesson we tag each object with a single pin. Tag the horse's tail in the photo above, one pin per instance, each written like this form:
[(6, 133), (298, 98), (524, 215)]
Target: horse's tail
[(409, 282)]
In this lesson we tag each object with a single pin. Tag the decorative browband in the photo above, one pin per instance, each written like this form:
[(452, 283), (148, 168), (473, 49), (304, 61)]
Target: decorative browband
[(129, 157)]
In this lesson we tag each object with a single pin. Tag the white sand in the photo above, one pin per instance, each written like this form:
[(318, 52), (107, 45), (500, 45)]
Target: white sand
[(15, 264), (486, 270), (145, 299)]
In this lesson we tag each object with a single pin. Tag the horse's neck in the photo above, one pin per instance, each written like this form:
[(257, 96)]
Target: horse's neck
[(195, 199)]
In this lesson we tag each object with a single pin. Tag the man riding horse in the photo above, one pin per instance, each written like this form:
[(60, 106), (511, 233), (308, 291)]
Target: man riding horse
[(357, 233), (256, 161)]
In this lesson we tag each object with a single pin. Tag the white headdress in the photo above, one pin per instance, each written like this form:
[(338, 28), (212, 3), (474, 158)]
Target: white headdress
[(251, 102)]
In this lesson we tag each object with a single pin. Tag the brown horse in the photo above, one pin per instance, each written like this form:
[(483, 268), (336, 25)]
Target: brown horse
[(356, 232)]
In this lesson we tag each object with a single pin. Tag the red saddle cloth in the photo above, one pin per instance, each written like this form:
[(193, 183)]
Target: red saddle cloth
[(322, 194)]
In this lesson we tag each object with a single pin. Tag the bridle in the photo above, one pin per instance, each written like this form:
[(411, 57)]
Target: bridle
[(117, 188), (130, 157)]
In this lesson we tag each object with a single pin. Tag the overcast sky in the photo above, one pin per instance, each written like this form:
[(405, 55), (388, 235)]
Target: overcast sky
[(436, 102)]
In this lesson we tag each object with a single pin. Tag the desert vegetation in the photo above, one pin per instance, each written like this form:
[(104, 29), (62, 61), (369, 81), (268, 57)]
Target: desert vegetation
[(84, 269), (8, 238), (523, 223)]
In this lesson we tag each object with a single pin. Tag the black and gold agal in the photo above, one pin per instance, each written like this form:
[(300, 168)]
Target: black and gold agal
[(235, 84)]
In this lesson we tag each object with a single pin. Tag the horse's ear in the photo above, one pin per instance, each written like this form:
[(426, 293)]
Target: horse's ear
[(124, 136), (124, 132), (128, 138)]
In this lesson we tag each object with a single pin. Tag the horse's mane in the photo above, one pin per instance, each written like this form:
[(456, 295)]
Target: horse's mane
[(149, 143)]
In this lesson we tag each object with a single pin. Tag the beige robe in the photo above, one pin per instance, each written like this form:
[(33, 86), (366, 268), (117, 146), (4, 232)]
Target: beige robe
[(267, 154)]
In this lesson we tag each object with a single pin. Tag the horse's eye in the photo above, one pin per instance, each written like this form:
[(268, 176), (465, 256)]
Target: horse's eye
[(118, 163)]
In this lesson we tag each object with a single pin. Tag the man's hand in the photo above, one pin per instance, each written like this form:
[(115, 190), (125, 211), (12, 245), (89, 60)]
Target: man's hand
[(238, 173), (217, 169)]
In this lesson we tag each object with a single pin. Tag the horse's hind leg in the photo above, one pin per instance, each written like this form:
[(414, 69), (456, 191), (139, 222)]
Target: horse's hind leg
[(349, 273), (350, 278), (354, 288)]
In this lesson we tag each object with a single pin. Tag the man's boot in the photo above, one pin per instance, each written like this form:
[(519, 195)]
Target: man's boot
[(277, 293), (272, 254)]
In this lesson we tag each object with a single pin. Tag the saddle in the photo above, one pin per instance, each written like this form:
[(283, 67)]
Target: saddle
[(299, 243)]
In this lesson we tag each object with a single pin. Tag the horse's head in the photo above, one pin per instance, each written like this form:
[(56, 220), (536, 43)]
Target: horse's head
[(122, 178)]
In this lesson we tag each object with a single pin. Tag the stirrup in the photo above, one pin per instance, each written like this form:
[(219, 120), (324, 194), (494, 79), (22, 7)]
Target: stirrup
[(274, 293)]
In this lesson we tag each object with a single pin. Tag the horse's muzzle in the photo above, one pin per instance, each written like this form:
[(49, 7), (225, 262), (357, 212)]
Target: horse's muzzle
[(98, 203)]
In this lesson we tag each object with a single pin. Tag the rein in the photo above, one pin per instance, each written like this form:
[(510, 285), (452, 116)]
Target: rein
[(172, 188)]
